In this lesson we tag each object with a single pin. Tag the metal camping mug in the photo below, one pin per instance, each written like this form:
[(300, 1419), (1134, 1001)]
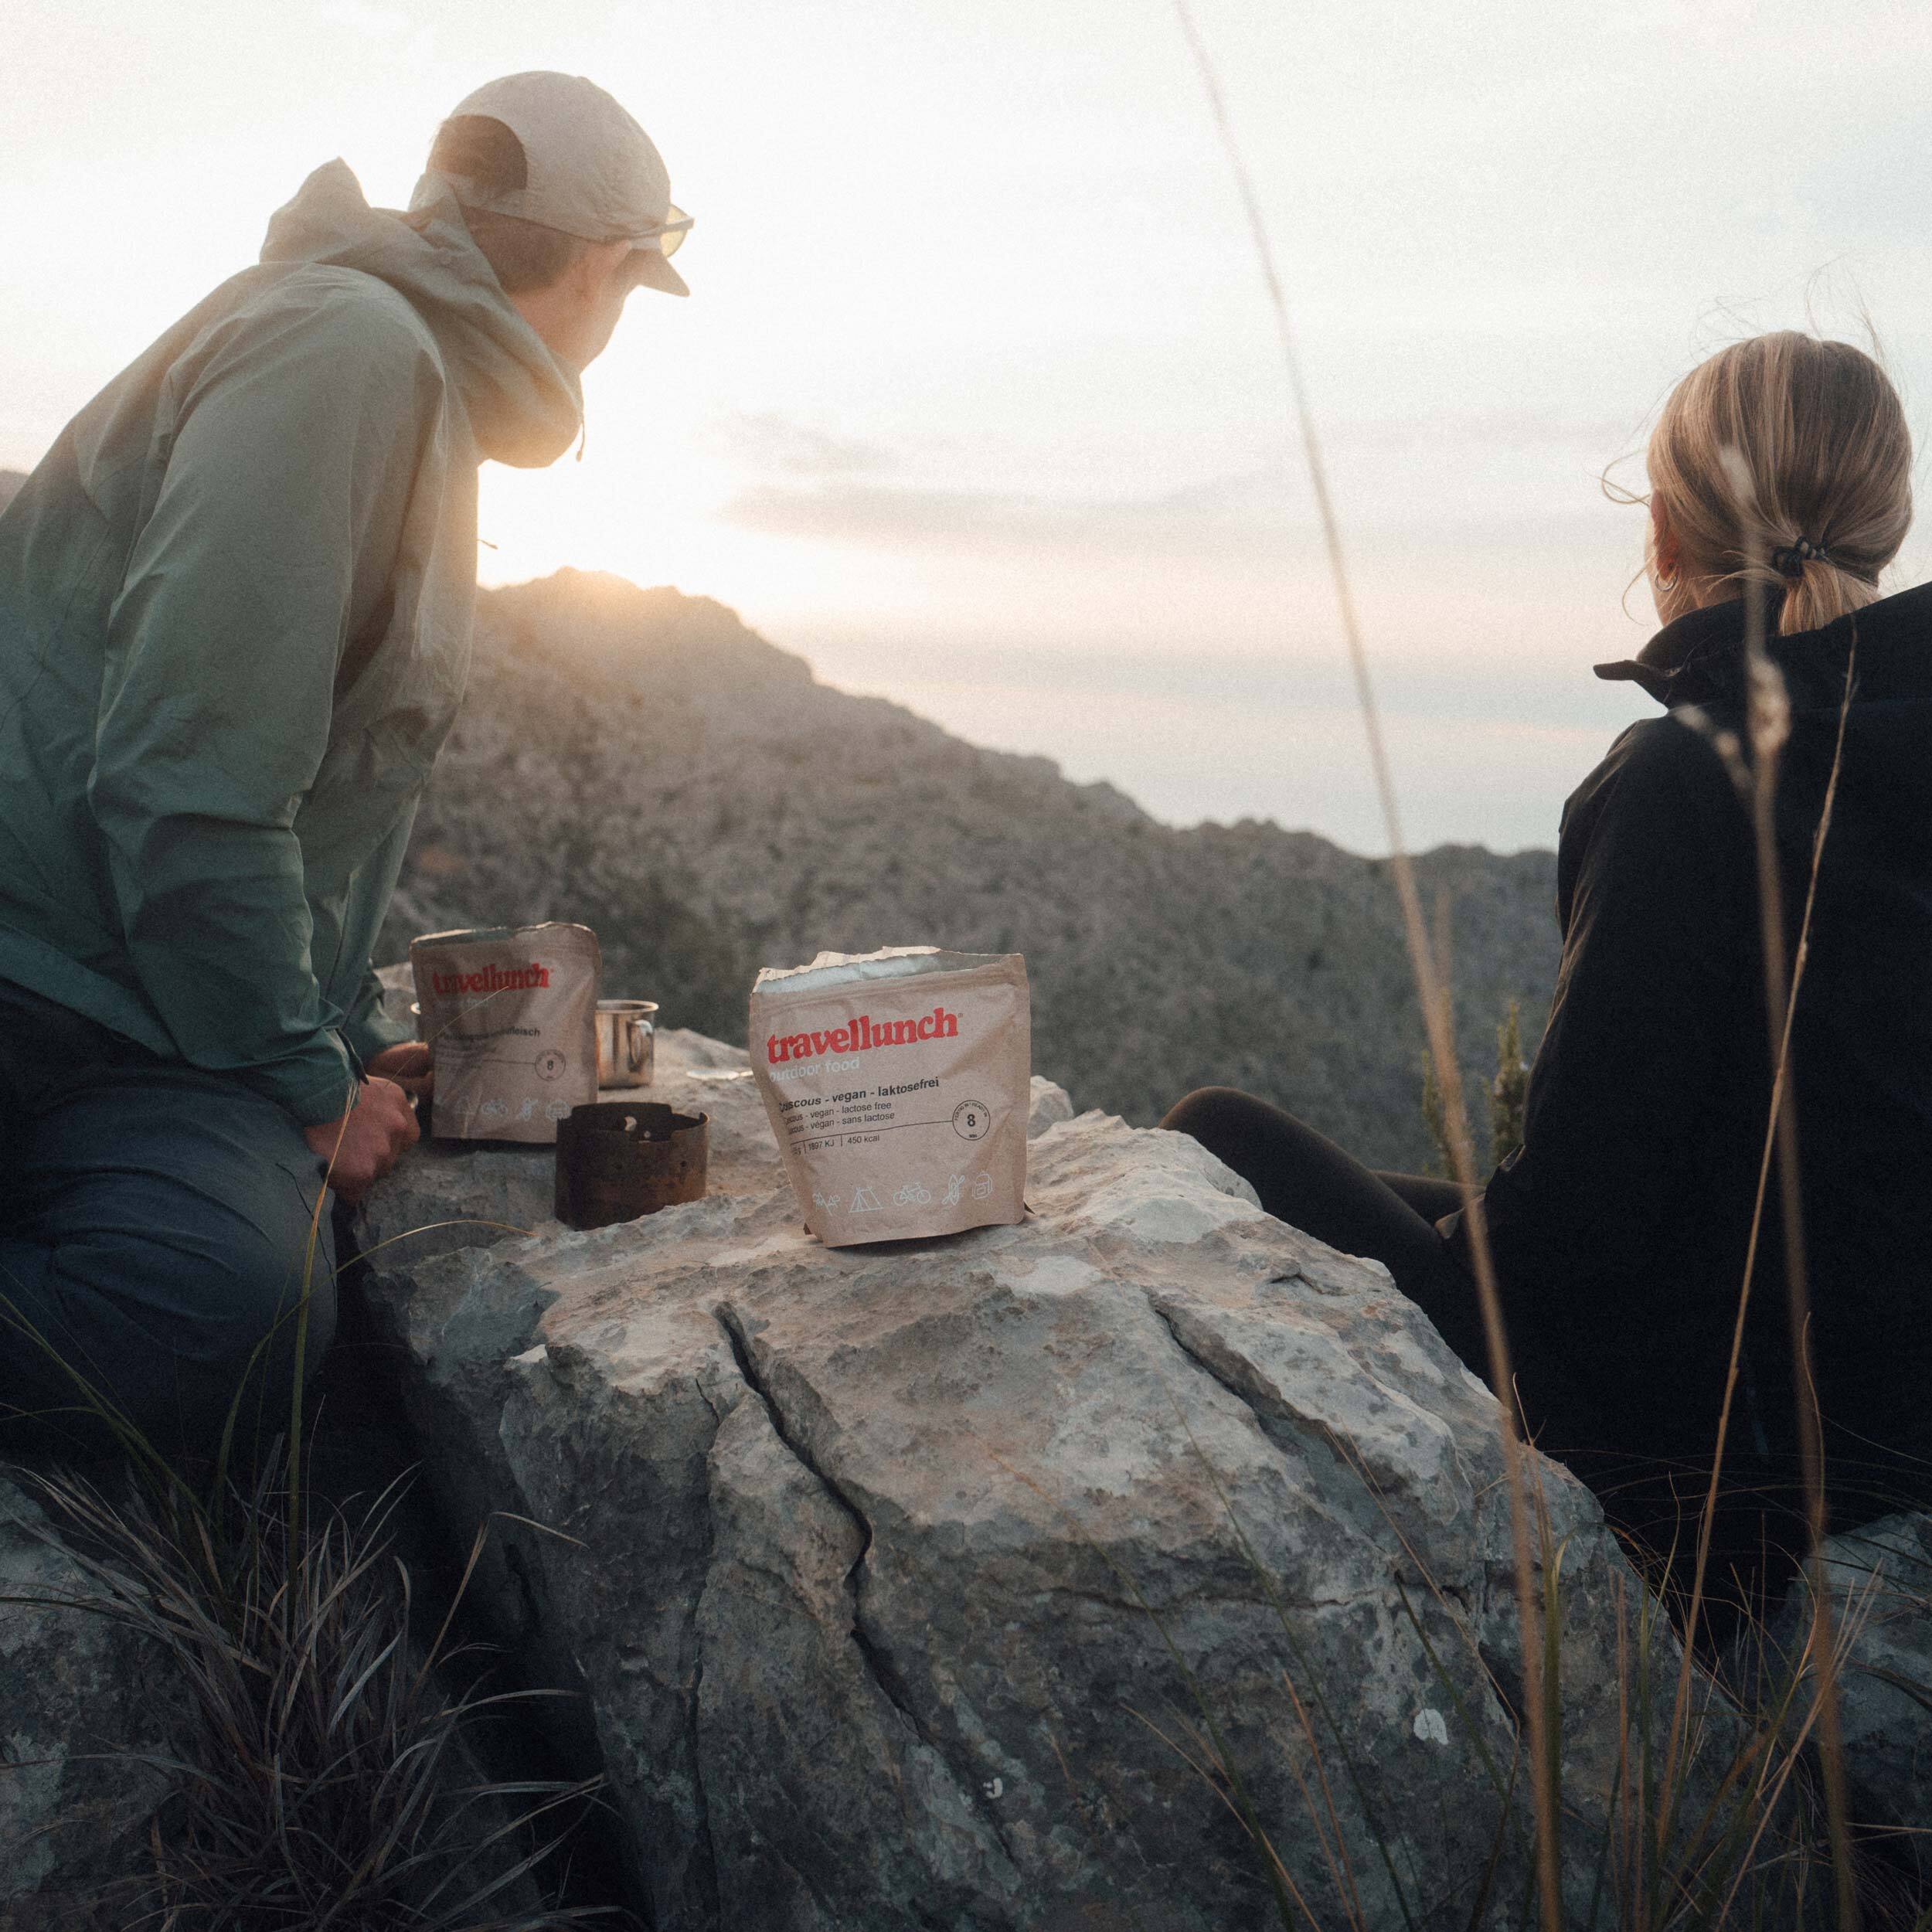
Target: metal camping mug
[(627, 1029)]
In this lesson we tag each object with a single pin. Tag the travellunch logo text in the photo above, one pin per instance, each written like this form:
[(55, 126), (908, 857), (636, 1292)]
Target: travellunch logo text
[(490, 979), (862, 1036)]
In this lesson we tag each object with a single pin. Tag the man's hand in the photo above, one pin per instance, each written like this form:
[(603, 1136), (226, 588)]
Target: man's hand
[(364, 1144), (411, 1066)]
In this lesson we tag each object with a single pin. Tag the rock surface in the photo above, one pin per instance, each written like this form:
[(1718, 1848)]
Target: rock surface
[(1881, 1579), (947, 1584), (75, 1692)]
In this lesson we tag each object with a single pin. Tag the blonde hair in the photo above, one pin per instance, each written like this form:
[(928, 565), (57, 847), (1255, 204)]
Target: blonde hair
[(1822, 437)]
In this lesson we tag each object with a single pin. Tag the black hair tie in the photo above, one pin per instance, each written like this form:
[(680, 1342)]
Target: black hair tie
[(1790, 562)]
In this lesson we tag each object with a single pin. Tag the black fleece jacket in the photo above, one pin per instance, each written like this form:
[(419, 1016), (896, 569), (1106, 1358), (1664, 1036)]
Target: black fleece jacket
[(1620, 1228)]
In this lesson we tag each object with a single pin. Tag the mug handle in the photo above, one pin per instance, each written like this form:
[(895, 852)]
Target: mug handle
[(635, 1038)]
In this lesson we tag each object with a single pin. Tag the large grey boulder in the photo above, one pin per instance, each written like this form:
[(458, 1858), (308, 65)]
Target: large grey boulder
[(979, 1582), (79, 1697)]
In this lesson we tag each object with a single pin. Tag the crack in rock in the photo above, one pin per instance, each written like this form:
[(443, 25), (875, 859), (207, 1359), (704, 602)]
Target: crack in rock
[(1271, 1429), (709, 1890), (882, 1672), (1271, 1426), (1268, 1425), (1505, 1675), (729, 1320)]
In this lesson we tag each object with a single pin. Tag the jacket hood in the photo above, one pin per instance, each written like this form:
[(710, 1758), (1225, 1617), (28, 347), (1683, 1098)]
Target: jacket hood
[(1699, 658), (525, 408)]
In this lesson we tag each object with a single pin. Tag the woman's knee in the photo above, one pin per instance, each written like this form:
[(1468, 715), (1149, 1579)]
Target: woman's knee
[(1216, 1113)]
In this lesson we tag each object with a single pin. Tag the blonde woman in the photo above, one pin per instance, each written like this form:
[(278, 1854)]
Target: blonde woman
[(1621, 1228)]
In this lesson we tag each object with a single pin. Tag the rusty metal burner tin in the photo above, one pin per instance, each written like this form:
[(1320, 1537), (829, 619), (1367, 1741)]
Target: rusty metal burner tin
[(619, 1159)]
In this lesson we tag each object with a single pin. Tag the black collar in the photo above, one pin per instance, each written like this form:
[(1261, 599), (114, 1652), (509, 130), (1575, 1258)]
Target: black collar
[(1694, 660), (1699, 658)]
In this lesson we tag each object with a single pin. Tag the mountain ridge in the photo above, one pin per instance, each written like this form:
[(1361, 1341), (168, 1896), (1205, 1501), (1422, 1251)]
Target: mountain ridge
[(644, 762)]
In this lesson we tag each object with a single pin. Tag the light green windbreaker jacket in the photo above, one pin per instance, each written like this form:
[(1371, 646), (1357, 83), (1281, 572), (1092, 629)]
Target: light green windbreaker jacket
[(235, 607)]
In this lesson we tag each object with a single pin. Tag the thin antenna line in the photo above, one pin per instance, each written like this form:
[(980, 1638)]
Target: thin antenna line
[(1435, 1010)]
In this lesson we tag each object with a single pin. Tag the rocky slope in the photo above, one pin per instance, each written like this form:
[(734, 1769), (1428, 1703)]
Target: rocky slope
[(640, 760)]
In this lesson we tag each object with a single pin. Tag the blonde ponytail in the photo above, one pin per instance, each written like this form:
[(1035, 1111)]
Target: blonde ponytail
[(1822, 436)]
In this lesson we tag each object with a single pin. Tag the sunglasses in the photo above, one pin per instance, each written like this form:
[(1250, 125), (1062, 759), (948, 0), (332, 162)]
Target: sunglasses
[(670, 232)]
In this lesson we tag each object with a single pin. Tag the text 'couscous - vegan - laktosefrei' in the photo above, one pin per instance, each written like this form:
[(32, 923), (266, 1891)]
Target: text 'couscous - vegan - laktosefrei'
[(898, 1084)]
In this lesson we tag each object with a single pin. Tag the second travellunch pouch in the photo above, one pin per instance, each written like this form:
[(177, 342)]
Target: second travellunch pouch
[(898, 1084)]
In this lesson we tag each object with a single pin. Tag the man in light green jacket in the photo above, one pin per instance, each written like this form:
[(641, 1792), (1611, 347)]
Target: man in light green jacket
[(235, 608)]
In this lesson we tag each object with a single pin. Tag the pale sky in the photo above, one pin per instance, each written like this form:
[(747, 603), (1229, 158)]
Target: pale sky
[(976, 403)]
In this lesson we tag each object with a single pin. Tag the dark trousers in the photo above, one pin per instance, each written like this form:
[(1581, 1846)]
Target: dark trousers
[(155, 1233)]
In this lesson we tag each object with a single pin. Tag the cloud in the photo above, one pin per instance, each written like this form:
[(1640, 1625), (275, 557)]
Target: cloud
[(1232, 511), (360, 16), (408, 41), (811, 483), (771, 441), (1515, 431)]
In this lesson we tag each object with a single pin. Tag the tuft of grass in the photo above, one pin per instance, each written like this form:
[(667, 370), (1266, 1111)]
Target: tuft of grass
[(1509, 1092), (1508, 1095), (1435, 1117), (323, 1776)]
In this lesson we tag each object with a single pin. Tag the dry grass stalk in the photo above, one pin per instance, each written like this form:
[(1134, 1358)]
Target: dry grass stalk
[(1767, 726), (1545, 1771), (1741, 776)]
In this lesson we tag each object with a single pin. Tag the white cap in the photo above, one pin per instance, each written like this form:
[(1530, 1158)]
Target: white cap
[(593, 171)]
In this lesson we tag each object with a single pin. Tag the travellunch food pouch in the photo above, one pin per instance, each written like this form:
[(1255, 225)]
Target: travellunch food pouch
[(510, 1015), (898, 1084)]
